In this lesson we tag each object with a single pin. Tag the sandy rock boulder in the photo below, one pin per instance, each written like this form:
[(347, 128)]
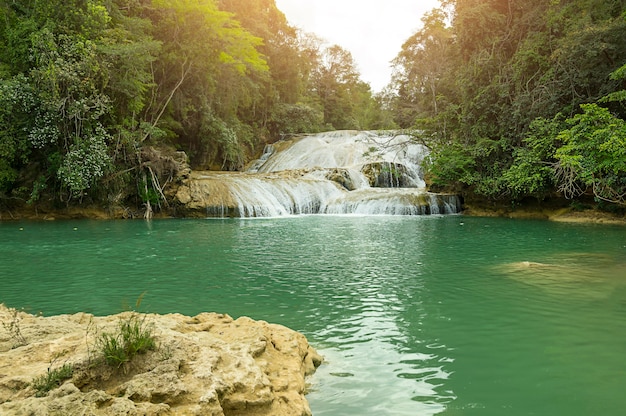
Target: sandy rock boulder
[(208, 364)]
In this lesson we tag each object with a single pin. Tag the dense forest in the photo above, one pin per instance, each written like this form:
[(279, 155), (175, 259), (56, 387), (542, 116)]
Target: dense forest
[(516, 100), (88, 87), (519, 100)]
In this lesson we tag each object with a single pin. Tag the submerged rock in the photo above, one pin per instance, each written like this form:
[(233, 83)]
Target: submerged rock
[(208, 364)]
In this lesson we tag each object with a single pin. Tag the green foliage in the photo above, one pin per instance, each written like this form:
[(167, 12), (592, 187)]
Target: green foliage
[(85, 84), (335, 80), (52, 379), (295, 118), (17, 102), (220, 141), (8, 175), (451, 163), (617, 96), (58, 106), (128, 53), (476, 86), (528, 175), (532, 170), (133, 336), (423, 59), (148, 194), (593, 155), (584, 153), (85, 163), (39, 186)]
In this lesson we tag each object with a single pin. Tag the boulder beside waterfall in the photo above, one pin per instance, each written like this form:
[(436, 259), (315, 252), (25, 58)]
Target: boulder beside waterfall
[(209, 364)]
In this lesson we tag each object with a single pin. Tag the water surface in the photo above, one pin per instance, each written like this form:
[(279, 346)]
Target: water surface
[(414, 315)]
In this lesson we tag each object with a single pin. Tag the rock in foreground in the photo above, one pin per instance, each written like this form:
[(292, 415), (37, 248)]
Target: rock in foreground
[(209, 365)]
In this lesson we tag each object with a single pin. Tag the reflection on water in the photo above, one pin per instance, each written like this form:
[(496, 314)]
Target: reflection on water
[(415, 316), (371, 368)]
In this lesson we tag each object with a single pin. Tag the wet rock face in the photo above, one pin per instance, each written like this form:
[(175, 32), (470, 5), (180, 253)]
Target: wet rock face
[(209, 365), (387, 175), (342, 177)]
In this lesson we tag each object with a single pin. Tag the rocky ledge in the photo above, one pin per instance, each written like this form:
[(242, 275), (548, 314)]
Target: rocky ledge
[(209, 364)]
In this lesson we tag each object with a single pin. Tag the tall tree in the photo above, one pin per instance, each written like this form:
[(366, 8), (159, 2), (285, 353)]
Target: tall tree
[(204, 74), (335, 82), (61, 82), (420, 67)]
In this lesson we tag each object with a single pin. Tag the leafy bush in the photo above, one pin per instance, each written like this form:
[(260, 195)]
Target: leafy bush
[(593, 155), (85, 163), (532, 171)]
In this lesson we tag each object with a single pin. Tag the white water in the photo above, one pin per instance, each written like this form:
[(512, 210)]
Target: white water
[(341, 172), (349, 150)]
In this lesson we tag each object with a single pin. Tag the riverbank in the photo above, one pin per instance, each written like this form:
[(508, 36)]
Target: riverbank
[(558, 214), (209, 364)]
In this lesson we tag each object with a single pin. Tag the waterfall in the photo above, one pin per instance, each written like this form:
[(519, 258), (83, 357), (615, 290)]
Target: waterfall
[(340, 172), (267, 152)]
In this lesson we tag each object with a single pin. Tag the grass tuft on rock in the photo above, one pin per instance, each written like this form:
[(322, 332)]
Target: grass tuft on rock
[(52, 379), (133, 336)]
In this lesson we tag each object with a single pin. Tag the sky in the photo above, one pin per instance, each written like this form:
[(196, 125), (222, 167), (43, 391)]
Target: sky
[(372, 30)]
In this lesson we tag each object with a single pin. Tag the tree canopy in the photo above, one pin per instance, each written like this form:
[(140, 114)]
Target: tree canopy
[(87, 85), (515, 99), (519, 99)]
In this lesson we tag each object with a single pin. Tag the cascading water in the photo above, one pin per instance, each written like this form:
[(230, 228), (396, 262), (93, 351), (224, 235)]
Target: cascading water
[(267, 152), (340, 172)]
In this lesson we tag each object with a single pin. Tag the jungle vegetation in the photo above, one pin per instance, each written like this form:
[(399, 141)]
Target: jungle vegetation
[(516, 100), (86, 86), (519, 100)]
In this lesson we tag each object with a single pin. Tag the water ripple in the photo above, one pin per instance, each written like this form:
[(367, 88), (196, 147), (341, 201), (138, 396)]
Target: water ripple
[(414, 316), (370, 346)]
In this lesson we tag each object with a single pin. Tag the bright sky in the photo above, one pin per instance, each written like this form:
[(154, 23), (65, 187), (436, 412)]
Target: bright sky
[(372, 30)]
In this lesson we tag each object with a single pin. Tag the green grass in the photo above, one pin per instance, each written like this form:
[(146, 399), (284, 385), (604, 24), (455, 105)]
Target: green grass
[(133, 336), (52, 379)]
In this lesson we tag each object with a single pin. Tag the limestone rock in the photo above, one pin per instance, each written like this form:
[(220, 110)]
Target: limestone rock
[(388, 175), (342, 177), (208, 364)]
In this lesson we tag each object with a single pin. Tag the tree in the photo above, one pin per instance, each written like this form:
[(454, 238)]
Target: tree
[(17, 102), (62, 85), (205, 73), (593, 155), (532, 171), (474, 87), (335, 82), (280, 47), (420, 67)]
